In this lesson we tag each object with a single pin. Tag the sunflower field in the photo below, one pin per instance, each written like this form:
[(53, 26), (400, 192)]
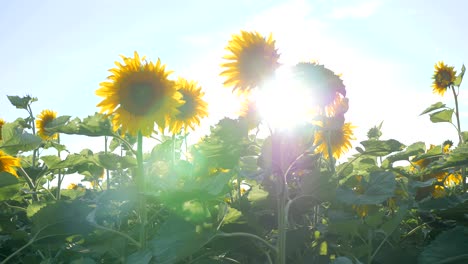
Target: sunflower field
[(246, 192)]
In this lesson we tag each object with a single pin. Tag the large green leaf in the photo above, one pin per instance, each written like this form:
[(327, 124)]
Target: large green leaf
[(178, 238), (412, 150), (111, 161), (443, 203), (93, 126), (9, 185), (442, 116), (448, 247), (436, 106), (381, 186), (457, 157), (381, 147), (61, 218), (16, 140), (21, 102)]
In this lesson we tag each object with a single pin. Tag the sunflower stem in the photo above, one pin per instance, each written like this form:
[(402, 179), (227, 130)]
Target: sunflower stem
[(59, 182), (107, 171), (460, 137), (140, 179)]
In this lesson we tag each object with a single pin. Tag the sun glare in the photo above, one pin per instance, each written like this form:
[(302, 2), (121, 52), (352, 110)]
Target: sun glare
[(283, 103)]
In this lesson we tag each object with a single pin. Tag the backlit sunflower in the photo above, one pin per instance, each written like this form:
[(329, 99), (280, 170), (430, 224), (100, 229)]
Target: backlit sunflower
[(139, 94), (339, 106), (7, 163), (444, 76), (192, 110), (250, 113), (43, 119), (252, 59), (323, 83), (2, 122), (339, 133)]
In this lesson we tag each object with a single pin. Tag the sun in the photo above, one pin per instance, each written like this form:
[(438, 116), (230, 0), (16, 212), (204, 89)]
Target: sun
[(283, 103)]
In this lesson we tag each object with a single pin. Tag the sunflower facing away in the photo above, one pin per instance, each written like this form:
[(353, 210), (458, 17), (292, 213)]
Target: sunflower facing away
[(43, 119), (139, 94), (192, 110), (323, 83), (7, 163), (2, 122), (444, 76), (252, 59), (249, 111), (340, 134)]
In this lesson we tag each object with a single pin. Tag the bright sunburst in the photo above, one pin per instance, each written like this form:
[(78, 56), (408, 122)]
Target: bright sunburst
[(283, 103)]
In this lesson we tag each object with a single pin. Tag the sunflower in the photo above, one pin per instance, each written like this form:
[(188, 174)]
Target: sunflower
[(339, 133), (139, 94), (339, 106), (43, 119), (444, 76), (192, 110), (253, 59), (8, 162), (2, 122), (323, 83), (250, 113)]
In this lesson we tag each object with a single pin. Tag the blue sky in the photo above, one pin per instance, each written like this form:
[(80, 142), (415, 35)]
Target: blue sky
[(59, 51)]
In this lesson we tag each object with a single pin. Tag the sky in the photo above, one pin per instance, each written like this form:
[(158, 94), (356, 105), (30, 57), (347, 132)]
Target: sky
[(59, 51)]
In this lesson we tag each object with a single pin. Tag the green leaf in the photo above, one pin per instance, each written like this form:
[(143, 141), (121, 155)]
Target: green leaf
[(381, 147), (433, 107), (61, 218), (140, 257), (93, 126), (9, 185), (57, 122), (15, 140), (111, 161), (178, 239), (464, 135), (443, 203), (34, 208), (7, 179), (459, 78), (442, 116), (412, 150), (449, 245), (342, 260), (21, 102), (82, 260), (381, 186)]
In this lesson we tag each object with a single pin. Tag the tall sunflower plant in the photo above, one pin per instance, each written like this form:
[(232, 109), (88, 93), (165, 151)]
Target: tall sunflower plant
[(293, 196)]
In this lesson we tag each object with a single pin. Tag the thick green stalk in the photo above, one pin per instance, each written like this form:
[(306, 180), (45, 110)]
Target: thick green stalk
[(140, 179), (282, 223), (107, 171), (460, 137)]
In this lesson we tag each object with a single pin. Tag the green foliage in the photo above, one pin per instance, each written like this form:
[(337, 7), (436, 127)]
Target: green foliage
[(448, 247), (16, 139)]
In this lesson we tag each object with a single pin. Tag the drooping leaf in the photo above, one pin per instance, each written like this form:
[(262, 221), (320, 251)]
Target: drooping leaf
[(443, 203), (442, 116), (111, 161), (433, 107), (449, 245), (380, 187), (34, 208), (16, 140), (381, 147), (459, 78)]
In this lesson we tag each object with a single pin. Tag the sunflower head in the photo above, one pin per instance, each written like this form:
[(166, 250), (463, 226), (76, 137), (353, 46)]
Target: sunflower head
[(446, 146), (139, 94), (43, 119), (443, 77), (2, 122), (339, 106), (250, 113), (323, 83), (252, 59), (337, 133), (193, 108), (8, 163)]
